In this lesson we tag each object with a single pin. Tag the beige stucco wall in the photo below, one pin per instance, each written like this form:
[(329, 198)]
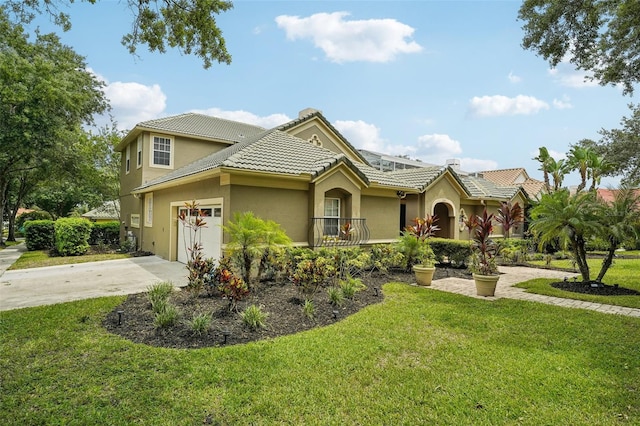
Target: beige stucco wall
[(383, 217), (287, 207)]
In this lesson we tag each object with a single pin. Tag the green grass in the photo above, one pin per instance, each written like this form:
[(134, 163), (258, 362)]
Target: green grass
[(624, 272), (9, 244), (40, 258), (420, 357)]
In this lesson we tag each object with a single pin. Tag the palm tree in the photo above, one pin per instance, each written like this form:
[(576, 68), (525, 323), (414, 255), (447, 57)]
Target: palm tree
[(579, 160), (557, 169), (544, 157), (620, 220), (598, 167), (571, 218)]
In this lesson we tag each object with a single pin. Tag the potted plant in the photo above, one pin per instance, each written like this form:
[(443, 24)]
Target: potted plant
[(414, 245), (483, 253)]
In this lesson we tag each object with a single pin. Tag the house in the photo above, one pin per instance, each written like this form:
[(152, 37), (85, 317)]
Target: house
[(515, 176), (107, 212), (303, 175)]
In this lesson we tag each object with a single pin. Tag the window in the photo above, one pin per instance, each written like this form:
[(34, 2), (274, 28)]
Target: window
[(315, 140), (148, 209), (161, 152), (127, 161), (139, 152), (331, 216)]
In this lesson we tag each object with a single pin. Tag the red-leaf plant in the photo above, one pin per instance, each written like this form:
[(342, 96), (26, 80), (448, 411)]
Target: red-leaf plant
[(483, 247)]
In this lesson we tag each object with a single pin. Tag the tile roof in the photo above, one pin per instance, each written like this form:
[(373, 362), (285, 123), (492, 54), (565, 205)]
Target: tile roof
[(504, 176), (108, 210), (315, 113), (418, 178), (201, 125), (480, 187), (270, 151)]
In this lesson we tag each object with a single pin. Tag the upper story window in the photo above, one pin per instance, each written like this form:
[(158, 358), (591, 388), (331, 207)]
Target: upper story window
[(331, 216), (162, 152), (127, 161), (139, 152)]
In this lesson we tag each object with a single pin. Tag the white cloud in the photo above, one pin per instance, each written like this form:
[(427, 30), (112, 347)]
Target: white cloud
[(477, 165), (514, 78), (362, 135), (267, 122), (564, 103), (131, 102), (498, 105), (134, 102), (372, 40), (437, 148)]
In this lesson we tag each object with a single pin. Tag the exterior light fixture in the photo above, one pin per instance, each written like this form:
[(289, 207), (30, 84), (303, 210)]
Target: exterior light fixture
[(335, 314), (120, 313), (375, 291), (225, 334)]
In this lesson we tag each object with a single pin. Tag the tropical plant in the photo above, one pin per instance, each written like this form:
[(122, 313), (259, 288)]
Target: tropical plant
[(254, 317), (351, 286), (484, 249), (199, 323), (233, 288), (509, 216), (252, 238), (193, 221), (167, 316), (620, 220), (309, 309), (336, 296), (158, 295), (544, 158), (413, 243), (571, 219)]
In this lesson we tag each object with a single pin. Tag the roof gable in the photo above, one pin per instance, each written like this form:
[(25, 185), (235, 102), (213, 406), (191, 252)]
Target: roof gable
[(315, 117), (196, 126)]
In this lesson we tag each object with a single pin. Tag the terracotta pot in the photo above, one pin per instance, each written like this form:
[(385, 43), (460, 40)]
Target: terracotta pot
[(486, 284), (424, 274)]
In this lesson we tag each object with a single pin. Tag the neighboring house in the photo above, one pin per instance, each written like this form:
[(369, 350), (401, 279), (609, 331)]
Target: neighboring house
[(515, 176), (107, 212), (303, 175)]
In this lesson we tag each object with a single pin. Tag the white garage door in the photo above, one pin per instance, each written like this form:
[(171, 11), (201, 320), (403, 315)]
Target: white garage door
[(210, 236)]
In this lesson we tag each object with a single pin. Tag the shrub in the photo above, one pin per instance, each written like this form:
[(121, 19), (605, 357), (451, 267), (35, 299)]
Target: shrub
[(309, 309), (29, 216), (597, 244), (167, 316), (384, 256), (310, 275), (106, 233), (72, 236), (39, 234), (456, 252), (513, 250), (336, 297), (351, 286), (254, 318), (234, 288), (199, 324)]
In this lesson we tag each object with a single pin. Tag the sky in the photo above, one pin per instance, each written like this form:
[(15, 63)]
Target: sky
[(434, 80)]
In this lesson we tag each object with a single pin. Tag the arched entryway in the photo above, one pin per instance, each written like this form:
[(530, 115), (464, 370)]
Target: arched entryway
[(446, 218)]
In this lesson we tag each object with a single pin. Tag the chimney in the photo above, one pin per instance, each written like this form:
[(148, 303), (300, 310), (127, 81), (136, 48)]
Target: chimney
[(454, 163), (307, 111)]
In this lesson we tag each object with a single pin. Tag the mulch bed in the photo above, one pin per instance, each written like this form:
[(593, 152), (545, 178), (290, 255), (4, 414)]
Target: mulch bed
[(597, 288), (282, 302)]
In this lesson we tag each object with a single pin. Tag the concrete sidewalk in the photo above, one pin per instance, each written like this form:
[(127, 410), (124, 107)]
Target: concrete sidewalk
[(65, 283)]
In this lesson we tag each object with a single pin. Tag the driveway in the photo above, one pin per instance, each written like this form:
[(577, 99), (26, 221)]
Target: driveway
[(65, 283)]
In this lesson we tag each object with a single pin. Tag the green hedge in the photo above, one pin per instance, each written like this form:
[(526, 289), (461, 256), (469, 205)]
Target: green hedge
[(39, 234), (72, 236), (29, 216), (105, 233), (455, 251)]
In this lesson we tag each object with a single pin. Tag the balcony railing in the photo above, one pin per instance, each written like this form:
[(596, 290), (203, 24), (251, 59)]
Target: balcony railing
[(344, 231)]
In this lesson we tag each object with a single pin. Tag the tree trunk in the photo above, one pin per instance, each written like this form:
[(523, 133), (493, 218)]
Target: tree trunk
[(581, 258), (607, 262)]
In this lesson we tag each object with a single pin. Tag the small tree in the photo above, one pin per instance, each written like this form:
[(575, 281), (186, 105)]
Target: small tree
[(509, 216), (570, 218)]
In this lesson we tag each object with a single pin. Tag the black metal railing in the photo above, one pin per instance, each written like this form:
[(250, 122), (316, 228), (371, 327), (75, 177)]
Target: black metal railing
[(344, 231)]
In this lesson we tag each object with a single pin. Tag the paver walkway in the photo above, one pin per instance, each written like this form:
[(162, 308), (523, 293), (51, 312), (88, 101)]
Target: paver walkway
[(73, 282), (516, 274)]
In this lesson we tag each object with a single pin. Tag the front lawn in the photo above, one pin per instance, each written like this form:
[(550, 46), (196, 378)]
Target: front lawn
[(420, 357), (624, 272), (40, 258)]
